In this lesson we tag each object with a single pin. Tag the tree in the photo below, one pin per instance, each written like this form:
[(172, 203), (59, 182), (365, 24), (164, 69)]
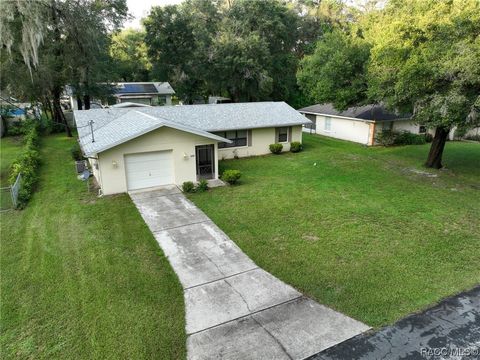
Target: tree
[(129, 54), (425, 59), (414, 56), (60, 42), (240, 67), (178, 38), (197, 44), (336, 71)]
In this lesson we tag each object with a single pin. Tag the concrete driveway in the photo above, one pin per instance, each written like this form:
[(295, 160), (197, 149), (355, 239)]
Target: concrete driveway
[(234, 309)]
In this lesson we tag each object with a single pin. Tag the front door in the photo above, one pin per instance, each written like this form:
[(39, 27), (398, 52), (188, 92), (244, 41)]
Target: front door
[(205, 161)]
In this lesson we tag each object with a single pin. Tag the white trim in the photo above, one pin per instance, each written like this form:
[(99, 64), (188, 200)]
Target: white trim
[(351, 118)]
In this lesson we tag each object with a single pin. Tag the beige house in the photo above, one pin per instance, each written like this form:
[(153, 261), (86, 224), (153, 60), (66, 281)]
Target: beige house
[(135, 148), (358, 124)]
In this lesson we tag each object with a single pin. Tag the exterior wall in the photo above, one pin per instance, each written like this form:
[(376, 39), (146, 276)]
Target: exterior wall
[(260, 141), (344, 129), (136, 100), (473, 132), (405, 125), (113, 179)]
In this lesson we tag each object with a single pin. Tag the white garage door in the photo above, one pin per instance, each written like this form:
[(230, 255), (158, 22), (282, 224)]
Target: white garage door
[(149, 169)]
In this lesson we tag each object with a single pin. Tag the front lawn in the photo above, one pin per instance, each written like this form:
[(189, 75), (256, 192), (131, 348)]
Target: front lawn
[(82, 277), (366, 231)]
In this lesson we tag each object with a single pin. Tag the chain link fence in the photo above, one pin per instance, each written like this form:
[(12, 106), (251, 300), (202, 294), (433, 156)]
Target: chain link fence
[(9, 195)]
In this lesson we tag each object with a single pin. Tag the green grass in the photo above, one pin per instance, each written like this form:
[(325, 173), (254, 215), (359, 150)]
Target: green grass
[(361, 231), (83, 277), (10, 148)]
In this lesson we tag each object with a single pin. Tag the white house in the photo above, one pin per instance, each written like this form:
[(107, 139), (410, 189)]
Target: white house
[(358, 124), (135, 148)]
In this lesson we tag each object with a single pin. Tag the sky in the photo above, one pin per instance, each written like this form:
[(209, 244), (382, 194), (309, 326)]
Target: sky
[(140, 9)]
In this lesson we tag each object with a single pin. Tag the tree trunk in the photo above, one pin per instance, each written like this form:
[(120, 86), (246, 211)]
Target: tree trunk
[(58, 115), (86, 102), (434, 159), (79, 103)]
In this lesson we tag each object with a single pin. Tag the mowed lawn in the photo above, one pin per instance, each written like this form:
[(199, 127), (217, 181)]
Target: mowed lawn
[(82, 277), (362, 230)]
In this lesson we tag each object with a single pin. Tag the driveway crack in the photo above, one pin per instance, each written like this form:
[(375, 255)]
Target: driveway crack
[(239, 294), (273, 337)]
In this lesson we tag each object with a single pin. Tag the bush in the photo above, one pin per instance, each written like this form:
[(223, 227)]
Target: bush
[(15, 128), (231, 176), (188, 187), (428, 137), (276, 148), (389, 137), (408, 138), (386, 137), (27, 164), (76, 152), (296, 146), (202, 186)]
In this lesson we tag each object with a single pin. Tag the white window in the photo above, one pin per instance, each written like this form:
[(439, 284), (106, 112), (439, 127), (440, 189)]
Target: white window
[(422, 129), (328, 123)]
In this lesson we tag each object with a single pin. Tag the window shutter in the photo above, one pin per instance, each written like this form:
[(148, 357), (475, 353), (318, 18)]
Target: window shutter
[(249, 137), (276, 135), (289, 136)]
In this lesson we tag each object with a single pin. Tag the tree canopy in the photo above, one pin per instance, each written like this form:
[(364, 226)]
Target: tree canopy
[(247, 50), (412, 55)]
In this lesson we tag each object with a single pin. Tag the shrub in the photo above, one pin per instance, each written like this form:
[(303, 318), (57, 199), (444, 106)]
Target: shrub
[(188, 187), (428, 138), (296, 146), (231, 176), (408, 138), (15, 128), (202, 186), (389, 137), (276, 148), (386, 137), (76, 152), (27, 164)]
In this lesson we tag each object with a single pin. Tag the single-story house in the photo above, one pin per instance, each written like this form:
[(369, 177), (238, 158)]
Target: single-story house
[(135, 148), (145, 93), (149, 93), (358, 124)]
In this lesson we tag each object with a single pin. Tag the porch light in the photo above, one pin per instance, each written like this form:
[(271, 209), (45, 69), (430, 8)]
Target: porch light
[(185, 156), (114, 164)]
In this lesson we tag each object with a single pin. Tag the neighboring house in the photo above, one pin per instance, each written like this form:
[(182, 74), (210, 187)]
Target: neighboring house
[(358, 124), (148, 93), (145, 93), (131, 149)]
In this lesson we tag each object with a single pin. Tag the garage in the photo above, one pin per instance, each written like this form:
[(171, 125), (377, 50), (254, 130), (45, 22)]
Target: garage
[(144, 170)]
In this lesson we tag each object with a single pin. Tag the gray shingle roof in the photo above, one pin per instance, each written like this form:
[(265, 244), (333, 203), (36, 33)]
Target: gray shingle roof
[(374, 112), (112, 127)]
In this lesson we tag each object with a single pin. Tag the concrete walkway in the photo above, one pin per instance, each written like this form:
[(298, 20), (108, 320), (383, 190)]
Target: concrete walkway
[(234, 309)]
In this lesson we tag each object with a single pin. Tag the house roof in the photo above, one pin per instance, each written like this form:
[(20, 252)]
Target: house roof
[(138, 88), (114, 126), (372, 112)]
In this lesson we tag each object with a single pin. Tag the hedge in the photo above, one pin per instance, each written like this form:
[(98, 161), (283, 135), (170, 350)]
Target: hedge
[(27, 164)]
